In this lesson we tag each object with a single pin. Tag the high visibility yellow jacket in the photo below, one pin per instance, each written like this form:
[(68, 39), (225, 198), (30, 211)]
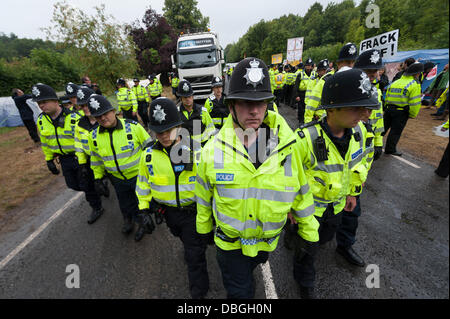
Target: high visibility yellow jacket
[(126, 100), (57, 137), (168, 182), (369, 145), (446, 125), (217, 109), (82, 131), (174, 82), (405, 93), (155, 89), (250, 205), (303, 79), (335, 178), (198, 122), (377, 122), (442, 98), (313, 98), (141, 93), (117, 151), (272, 79), (280, 80)]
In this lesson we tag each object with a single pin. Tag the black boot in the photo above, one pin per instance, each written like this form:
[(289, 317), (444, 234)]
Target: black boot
[(350, 255), (139, 233), (106, 190), (128, 226), (95, 214)]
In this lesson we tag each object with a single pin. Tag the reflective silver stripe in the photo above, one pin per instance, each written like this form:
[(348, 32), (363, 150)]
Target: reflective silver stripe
[(142, 192), (218, 158), (256, 193), (415, 97), (200, 201), (304, 189), (288, 166), (61, 137), (96, 163), (187, 200), (414, 104), (331, 168), (322, 204), (146, 142), (315, 98), (378, 130), (248, 224), (202, 183), (368, 151), (123, 167), (408, 85), (121, 155), (56, 147), (171, 188), (79, 150), (142, 179), (308, 211), (308, 107)]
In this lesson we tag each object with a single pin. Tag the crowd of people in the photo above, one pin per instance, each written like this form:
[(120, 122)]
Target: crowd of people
[(231, 172)]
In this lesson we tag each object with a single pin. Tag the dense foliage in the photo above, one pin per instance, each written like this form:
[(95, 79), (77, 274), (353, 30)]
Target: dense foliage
[(423, 24)]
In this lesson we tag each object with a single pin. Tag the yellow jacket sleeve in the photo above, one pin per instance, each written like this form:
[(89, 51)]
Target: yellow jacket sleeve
[(143, 190), (81, 145), (204, 193), (414, 100)]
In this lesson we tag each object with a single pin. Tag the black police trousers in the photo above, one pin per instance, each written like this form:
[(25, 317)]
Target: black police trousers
[(301, 107), (128, 114), (304, 270), (237, 272), (126, 194), (143, 112), (396, 121), (346, 233), (182, 224), (71, 172)]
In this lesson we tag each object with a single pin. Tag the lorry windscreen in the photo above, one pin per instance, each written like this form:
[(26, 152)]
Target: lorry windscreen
[(197, 59)]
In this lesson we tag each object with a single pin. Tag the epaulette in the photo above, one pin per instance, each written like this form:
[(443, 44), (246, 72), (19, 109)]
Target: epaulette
[(368, 126), (130, 121), (305, 125)]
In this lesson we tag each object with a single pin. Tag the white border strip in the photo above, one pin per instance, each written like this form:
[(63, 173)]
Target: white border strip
[(269, 286), (36, 233), (406, 161)]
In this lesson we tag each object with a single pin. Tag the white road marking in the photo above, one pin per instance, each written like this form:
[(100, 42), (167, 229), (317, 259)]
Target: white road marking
[(269, 286), (36, 233), (404, 161)]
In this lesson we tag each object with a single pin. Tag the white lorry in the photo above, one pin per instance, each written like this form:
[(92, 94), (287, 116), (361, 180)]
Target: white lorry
[(199, 58)]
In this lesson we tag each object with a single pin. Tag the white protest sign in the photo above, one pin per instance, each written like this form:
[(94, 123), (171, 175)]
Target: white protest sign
[(294, 50), (387, 43)]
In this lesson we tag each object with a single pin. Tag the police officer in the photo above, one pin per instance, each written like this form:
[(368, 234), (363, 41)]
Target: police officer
[(314, 92), (215, 104), (126, 100), (333, 152), (347, 57), (154, 88), (116, 146), (142, 99), (166, 182), (174, 81), (403, 100), (71, 94), (56, 128), (370, 62), (280, 81), (249, 179), (290, 80), (195, 118), (85, 125), (301, 84)]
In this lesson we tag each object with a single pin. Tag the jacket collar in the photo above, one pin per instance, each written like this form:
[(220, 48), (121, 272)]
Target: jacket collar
[(119, 126)]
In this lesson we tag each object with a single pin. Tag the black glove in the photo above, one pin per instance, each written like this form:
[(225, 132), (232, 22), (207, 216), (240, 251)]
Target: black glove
[(146, 221), (100, 188), (207, 239), (159, 215), (377, 153), (52, 167)]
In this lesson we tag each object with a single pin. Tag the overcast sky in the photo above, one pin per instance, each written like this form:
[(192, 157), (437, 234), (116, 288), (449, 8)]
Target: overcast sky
[(229, 18)]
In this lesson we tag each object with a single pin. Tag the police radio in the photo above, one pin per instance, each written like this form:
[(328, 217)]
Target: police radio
[(320, 148)]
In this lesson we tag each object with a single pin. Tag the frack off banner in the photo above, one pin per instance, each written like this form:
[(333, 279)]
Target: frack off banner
[(387, 43)]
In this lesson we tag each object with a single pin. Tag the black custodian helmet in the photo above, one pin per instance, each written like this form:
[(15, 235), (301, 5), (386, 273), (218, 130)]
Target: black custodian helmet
[(348, 52), (83, 94), (216, 81), (369, 60), (250, 81), (351, 88), (43, 92), (164, 115), (323, 65), (309, 62), (185, 89), (71, 89), (99, 105), (414, 68)]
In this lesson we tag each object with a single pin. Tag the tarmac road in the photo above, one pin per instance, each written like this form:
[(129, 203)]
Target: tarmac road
[(404, 231)]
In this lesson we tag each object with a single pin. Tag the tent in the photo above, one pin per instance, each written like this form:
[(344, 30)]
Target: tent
[(437, 56), (9, 114)]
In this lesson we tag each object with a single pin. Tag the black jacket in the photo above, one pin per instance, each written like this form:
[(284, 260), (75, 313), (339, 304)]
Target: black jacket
[(26, 113)]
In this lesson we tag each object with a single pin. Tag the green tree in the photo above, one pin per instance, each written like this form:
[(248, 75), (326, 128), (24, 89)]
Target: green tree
[(183, 15), (100, 45)]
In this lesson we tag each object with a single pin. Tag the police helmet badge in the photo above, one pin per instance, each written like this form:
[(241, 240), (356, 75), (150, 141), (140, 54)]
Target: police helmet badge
[(158, 113), (254, 75), (185, 87), (80, 94), (69, 89), (94, 104), (35, 91), (375, 57), (365, 85), (352, 50)]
